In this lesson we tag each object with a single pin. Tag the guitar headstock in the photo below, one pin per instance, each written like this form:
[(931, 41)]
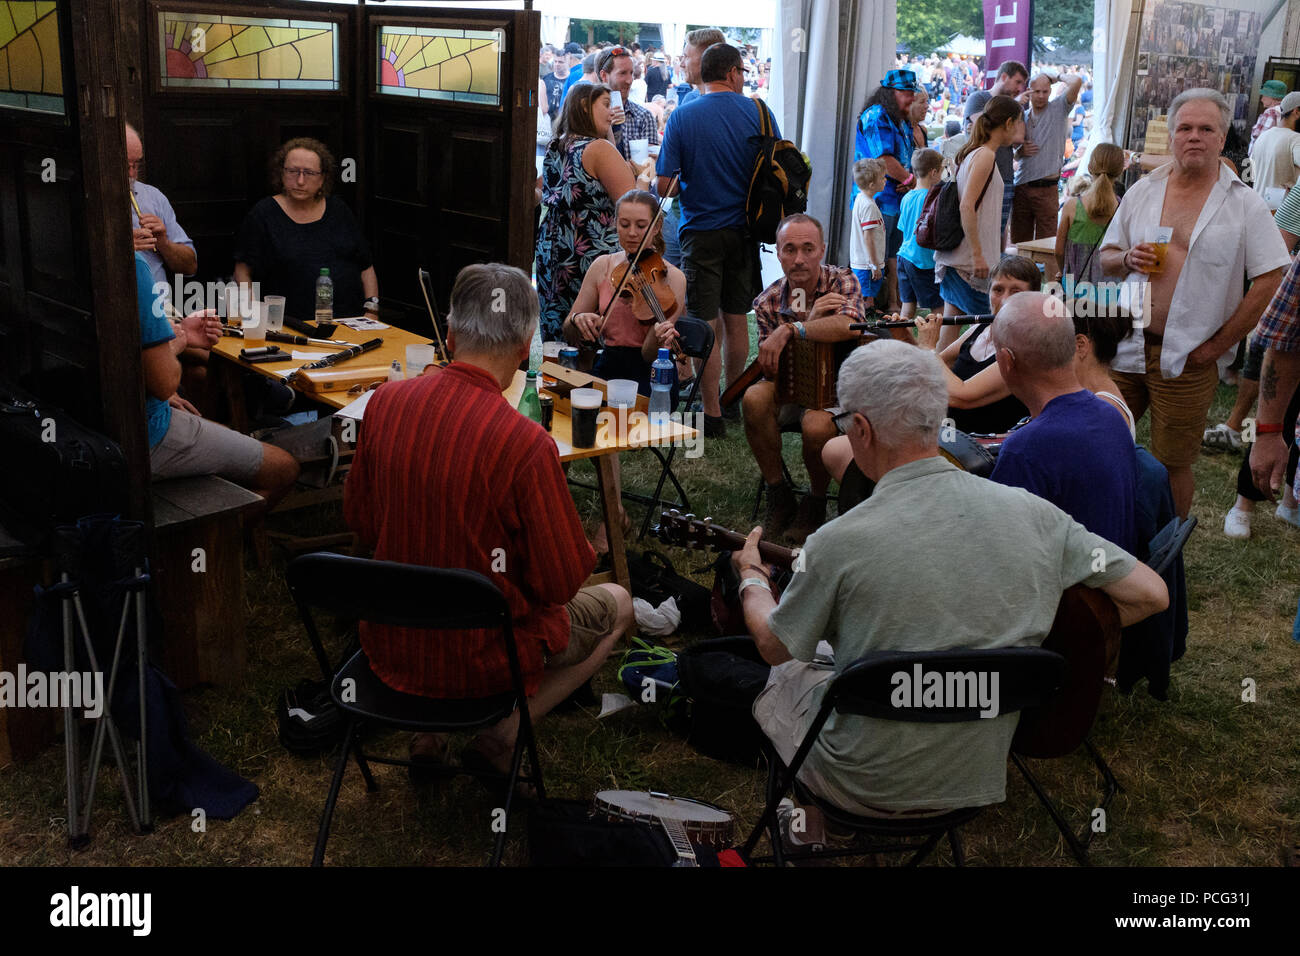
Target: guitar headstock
[(687, 531)]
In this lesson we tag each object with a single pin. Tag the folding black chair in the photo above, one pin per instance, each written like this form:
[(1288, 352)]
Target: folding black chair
[(697, 343), (1026, 676), (403, 595)]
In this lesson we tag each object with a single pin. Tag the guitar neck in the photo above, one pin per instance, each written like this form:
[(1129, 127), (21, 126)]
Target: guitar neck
[(771, 553)]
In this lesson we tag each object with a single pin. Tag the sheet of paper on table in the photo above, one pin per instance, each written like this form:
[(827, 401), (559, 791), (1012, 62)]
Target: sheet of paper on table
[(361, 323), (356, 409)]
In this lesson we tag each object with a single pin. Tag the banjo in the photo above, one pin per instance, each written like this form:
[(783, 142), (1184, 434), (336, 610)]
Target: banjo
[(681, 818)]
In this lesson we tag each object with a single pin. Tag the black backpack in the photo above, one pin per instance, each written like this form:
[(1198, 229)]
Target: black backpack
[(939, 227), (778, 186)]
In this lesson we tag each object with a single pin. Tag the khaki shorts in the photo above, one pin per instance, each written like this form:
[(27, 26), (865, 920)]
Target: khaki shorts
[(196, 446), (1178, 407), (790, 417), (786, 708), (593, 612)]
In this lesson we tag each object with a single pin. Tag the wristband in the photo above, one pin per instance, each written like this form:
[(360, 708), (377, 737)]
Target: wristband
[(754, 583), (803, 332), (371, 304), (1270, 429)]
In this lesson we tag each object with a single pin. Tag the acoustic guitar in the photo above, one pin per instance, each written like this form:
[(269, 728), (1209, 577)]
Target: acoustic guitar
[(1085, 631)]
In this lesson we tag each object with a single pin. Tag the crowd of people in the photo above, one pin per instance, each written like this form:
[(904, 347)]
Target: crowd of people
[(1064, 380)]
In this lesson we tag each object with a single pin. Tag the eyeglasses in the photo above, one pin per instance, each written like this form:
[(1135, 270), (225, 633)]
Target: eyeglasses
[(305, 173), (841, 421), (607, 57), (136, 164)]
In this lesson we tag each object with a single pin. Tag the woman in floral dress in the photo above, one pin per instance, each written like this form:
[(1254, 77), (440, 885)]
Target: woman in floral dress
[(583, 174)]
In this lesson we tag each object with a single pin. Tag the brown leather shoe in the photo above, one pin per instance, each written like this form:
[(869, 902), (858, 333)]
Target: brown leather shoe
[(810, 517), (781, 508)]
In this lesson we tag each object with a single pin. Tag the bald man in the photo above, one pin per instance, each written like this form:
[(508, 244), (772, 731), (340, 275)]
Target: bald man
[(1047, 126), (159, 238), (1076, 451)]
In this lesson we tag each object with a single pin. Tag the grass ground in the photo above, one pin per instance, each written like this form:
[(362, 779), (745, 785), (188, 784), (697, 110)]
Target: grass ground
[(1208, 779)]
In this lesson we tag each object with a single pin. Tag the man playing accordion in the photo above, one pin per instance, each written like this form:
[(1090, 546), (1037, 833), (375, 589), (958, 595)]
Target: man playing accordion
[(817, 303)]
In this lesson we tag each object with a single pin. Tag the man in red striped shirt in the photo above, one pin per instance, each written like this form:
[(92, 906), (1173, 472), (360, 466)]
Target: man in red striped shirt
[(448, 474)]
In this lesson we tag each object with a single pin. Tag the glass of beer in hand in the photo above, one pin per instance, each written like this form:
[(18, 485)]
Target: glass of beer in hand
[(1158, 238)]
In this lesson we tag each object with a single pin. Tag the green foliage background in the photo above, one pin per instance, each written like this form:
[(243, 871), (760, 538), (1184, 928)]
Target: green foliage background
[(924, 25)]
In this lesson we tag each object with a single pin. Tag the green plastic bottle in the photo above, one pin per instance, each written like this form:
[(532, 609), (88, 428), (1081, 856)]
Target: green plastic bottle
[(529, 406)]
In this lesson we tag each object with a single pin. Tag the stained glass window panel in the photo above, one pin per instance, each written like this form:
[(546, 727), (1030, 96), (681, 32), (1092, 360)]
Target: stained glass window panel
[(441, 63), (230, 52), (31, 67)]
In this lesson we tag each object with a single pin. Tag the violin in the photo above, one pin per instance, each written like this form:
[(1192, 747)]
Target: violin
[(644, 284)]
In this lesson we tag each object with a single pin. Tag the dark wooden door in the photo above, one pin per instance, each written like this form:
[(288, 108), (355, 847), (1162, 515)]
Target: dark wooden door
[(451, 171)]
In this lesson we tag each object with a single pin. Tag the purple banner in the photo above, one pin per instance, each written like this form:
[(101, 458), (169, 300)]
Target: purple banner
[(1008, 35)]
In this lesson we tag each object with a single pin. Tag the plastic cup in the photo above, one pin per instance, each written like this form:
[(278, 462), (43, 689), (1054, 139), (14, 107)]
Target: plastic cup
[(551, 351), (640, 150), (254, 327), (273, 309), (585, 407), (621, 392), (418, 357), (1158, 237)]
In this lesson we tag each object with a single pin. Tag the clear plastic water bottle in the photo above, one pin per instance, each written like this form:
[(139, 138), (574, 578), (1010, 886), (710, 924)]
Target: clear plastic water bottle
[(530, 406), (663, 375), (395, 371), (324, 297)]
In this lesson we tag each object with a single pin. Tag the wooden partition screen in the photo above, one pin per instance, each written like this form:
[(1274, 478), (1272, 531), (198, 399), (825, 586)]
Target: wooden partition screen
[(430, 114)]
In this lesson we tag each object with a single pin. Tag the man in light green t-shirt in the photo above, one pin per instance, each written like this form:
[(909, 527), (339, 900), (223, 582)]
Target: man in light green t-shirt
[(935, 559)]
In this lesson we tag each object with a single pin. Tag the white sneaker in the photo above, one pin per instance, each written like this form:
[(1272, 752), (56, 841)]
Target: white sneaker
[(1237, 524), (1222, 438), (1290, 515)]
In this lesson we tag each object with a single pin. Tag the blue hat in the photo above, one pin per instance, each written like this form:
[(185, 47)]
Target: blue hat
[(904, 80), (574, 49)]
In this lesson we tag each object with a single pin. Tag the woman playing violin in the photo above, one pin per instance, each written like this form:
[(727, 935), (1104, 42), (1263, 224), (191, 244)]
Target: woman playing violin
[(633, 330)]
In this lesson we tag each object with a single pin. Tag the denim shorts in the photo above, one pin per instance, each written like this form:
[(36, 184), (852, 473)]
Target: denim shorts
[(957, 292), (918, 285)]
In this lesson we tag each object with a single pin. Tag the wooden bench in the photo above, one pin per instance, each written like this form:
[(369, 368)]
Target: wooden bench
[(199, 578)]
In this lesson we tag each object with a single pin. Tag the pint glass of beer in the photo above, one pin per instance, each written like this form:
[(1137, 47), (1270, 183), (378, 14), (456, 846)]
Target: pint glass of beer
[(1158, 237)]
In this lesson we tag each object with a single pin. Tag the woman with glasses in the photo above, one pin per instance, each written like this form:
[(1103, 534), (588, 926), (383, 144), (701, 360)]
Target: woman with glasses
[(288, 237)]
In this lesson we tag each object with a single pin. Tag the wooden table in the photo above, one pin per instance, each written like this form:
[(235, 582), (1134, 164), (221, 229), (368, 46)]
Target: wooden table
[(376, 362), (638, 435), (1043, 251)]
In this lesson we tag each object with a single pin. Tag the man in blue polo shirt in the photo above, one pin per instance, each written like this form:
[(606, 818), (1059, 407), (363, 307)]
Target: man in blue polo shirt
[(885, 133), (711, 141), (1076, 452)]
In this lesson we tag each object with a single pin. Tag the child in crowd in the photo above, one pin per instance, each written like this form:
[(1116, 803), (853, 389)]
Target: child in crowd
[(867, 244), (916, 283), (1083, 224)]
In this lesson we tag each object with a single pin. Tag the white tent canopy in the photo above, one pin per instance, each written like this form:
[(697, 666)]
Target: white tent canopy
[(724, 13), (962, 45)]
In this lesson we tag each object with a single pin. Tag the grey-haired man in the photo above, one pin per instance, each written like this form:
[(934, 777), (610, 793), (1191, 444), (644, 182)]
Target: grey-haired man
[(986, 567)]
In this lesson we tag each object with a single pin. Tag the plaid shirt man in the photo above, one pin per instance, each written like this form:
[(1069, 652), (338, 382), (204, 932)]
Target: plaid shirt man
[(1279, 327), (773, 307), (639, 123), (1267, 120)]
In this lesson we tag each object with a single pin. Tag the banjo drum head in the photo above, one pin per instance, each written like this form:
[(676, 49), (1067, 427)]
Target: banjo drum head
[(701, 820)]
